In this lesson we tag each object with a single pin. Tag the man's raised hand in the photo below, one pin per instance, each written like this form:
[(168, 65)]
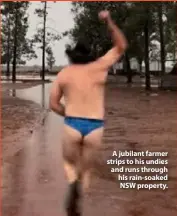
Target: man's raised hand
[(104, 15)]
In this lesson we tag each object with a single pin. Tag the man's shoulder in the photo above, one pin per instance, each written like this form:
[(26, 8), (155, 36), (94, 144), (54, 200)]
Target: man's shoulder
[(65, 70), (62, 75), (62, 72), (69, 70)]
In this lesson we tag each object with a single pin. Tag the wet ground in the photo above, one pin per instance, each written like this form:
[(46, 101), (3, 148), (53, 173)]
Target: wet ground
[(33, 179)]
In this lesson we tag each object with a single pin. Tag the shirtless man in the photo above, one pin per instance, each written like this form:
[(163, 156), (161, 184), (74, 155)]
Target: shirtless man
[(82, 86)]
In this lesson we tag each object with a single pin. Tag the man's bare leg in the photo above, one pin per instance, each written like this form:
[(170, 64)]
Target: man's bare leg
[(91, 149), (71, 152)]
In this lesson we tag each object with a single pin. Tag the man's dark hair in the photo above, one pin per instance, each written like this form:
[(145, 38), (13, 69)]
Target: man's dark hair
[(80, 54)]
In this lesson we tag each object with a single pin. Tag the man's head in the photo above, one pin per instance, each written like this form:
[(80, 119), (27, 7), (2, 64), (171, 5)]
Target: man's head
[(80, 54)]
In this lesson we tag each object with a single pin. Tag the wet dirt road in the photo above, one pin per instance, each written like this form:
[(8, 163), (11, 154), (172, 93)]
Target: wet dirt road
[(36, 184)]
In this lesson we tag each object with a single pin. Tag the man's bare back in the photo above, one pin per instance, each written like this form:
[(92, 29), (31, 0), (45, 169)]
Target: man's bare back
[(83, 90)]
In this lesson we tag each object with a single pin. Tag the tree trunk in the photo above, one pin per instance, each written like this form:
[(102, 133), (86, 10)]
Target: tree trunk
[(162, 46), (127, 68), (44, 42), (140, 65), (8, 48), (15, 45), (146, 37)]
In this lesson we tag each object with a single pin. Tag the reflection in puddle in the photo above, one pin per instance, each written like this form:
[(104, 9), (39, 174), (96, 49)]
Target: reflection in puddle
[(12, 92), (43, 95), (38, 94)]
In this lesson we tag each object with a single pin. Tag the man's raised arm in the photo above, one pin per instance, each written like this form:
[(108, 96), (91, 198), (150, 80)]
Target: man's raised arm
[(119, 42)]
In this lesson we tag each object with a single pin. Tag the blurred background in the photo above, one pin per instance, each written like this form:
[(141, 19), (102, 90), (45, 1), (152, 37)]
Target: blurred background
[(34, 36)]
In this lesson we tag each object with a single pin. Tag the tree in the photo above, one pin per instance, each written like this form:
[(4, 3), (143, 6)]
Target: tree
[(16, 48), (129, 16), (162, 45), (170, 25), (165, 32), (44, 37), (141, 27), (50, 58), (146, 44), (6, 35)]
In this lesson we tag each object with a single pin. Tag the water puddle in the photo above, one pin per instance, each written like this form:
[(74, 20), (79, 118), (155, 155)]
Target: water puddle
[(39, 187)]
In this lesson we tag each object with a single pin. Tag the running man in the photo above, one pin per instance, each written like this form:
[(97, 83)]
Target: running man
[(82, 86)]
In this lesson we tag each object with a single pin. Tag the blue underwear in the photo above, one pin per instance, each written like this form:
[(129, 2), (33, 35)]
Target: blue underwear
[(83, 125)]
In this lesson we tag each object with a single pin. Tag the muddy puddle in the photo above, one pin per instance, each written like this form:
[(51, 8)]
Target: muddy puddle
[(34, 178)]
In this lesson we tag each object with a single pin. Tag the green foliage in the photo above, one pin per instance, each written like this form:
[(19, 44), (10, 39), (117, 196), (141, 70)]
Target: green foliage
[(131, 18), (15, 19), (51, 34), (50, 58), (170, 28)]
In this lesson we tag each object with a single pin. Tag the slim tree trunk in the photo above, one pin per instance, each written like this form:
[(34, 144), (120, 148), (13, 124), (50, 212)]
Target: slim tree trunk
[(140, 64), (44, 42), (8, 47), (15, 44), (162, 45), (140, 67), (146, 36), (128, 69), (43, 95)]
